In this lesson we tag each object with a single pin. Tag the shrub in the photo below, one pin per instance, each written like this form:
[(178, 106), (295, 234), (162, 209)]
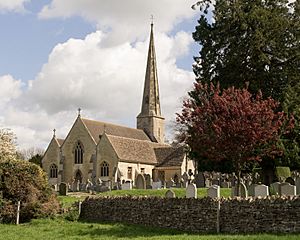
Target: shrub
[(26, 182)]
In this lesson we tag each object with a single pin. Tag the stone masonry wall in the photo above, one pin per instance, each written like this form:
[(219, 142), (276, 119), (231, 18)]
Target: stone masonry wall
[(252, 215)]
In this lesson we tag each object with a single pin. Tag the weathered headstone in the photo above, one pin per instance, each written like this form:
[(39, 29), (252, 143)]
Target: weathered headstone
[(281, 185), (216, 182), (261, 191), (148, 181), (185, 179), (297, 183), (140, 182), (191, 191), (213, 191), (242, 191), (290, 180), (170, 194), (170, 183), (200, 180), (275, 188), (126, 186), (63, 189), (225, 184), (156, 185), (288, 190), (251, 190)]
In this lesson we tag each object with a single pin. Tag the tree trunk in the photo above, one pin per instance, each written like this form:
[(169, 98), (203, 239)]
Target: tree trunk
[(238, 172)]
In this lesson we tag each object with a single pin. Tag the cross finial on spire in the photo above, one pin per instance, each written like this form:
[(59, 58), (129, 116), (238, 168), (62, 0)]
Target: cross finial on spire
[(152, 18), (54, 130), (79, 110)]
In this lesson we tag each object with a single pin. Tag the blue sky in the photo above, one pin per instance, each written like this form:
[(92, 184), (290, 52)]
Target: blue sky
[(57, 56)]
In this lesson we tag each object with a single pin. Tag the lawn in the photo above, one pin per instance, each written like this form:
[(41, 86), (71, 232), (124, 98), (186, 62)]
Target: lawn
[(180, 192), (62, 229)]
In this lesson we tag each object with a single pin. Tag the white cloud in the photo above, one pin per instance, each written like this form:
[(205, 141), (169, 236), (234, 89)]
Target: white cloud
[(10, 89), (105, 81), (125, 20), (12, 5)]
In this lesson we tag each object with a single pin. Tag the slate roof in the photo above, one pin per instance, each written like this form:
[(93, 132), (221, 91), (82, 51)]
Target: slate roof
[(133, 150), (173, 158), (97, 129)]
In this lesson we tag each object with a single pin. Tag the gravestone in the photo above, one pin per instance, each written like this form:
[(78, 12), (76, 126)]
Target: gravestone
[(297, 182), (242, 191), (126, 186), (200, 180), (288, 190), (216, 182), (261, 191), (170, 194), (191, 191), (225, 185), (89, 186), (148, 181), (213, 191), (290, 180), (185, 178), (281, 185), (63, 189), (156, 185), (251, 190), (275, 188), (140, 182), (170, 183)]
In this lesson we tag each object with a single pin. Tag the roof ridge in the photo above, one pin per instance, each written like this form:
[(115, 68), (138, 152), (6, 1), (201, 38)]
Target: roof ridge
[(112, 124)]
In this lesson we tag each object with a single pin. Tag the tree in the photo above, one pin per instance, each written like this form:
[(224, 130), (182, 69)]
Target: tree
[(231, 125), (251, 41), (7, 144), (291, 141)]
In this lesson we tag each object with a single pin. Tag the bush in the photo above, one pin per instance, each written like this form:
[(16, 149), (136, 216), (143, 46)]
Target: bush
[(26, 182), (283, 172)]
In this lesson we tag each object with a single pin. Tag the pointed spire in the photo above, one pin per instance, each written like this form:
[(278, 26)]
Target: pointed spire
[(151, 103)]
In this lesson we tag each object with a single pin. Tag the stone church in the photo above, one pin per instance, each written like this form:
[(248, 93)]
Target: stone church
[(95, 150)]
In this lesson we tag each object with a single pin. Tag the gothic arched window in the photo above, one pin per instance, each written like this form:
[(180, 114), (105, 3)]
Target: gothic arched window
[(53, 171), (104, 169), (78, 153)]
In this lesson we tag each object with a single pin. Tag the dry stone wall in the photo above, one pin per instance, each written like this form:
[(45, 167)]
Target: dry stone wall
[(251, 215)]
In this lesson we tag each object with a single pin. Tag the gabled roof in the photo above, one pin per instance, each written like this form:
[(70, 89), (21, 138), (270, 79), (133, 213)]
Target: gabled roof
[(97, 129), (133, 150), (174, 158)]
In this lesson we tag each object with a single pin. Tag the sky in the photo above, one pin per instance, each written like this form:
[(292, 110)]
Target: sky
[(57, 56)]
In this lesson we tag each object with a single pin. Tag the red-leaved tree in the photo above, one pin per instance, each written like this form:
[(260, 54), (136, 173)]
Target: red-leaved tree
[(232, 124)]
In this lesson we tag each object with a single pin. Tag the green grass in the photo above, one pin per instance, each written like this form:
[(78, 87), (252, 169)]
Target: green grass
[(62, 229), (180, 192), (67, 201)]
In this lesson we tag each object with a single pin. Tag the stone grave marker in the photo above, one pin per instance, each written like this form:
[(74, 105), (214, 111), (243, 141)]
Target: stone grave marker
[(297, 182), (281, 185), (275, 188), (170, 183), (126, 186), (200, 180), (63, 189), (261, 191), (148, 181), (288, 190), (242, 190), (191, 191), (156, 185), (251, 190), (213, 191), (140, 182), (170, 194), (290, 180)]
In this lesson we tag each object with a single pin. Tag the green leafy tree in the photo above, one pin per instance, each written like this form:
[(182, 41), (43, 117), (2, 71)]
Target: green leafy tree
[(291, 141), (251, 41)]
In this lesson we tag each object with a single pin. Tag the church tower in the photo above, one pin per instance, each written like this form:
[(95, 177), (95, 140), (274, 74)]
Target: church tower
[(150, 119)]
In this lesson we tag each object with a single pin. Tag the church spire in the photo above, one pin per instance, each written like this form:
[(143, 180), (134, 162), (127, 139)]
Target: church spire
[(150, 119), (151, 103)]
